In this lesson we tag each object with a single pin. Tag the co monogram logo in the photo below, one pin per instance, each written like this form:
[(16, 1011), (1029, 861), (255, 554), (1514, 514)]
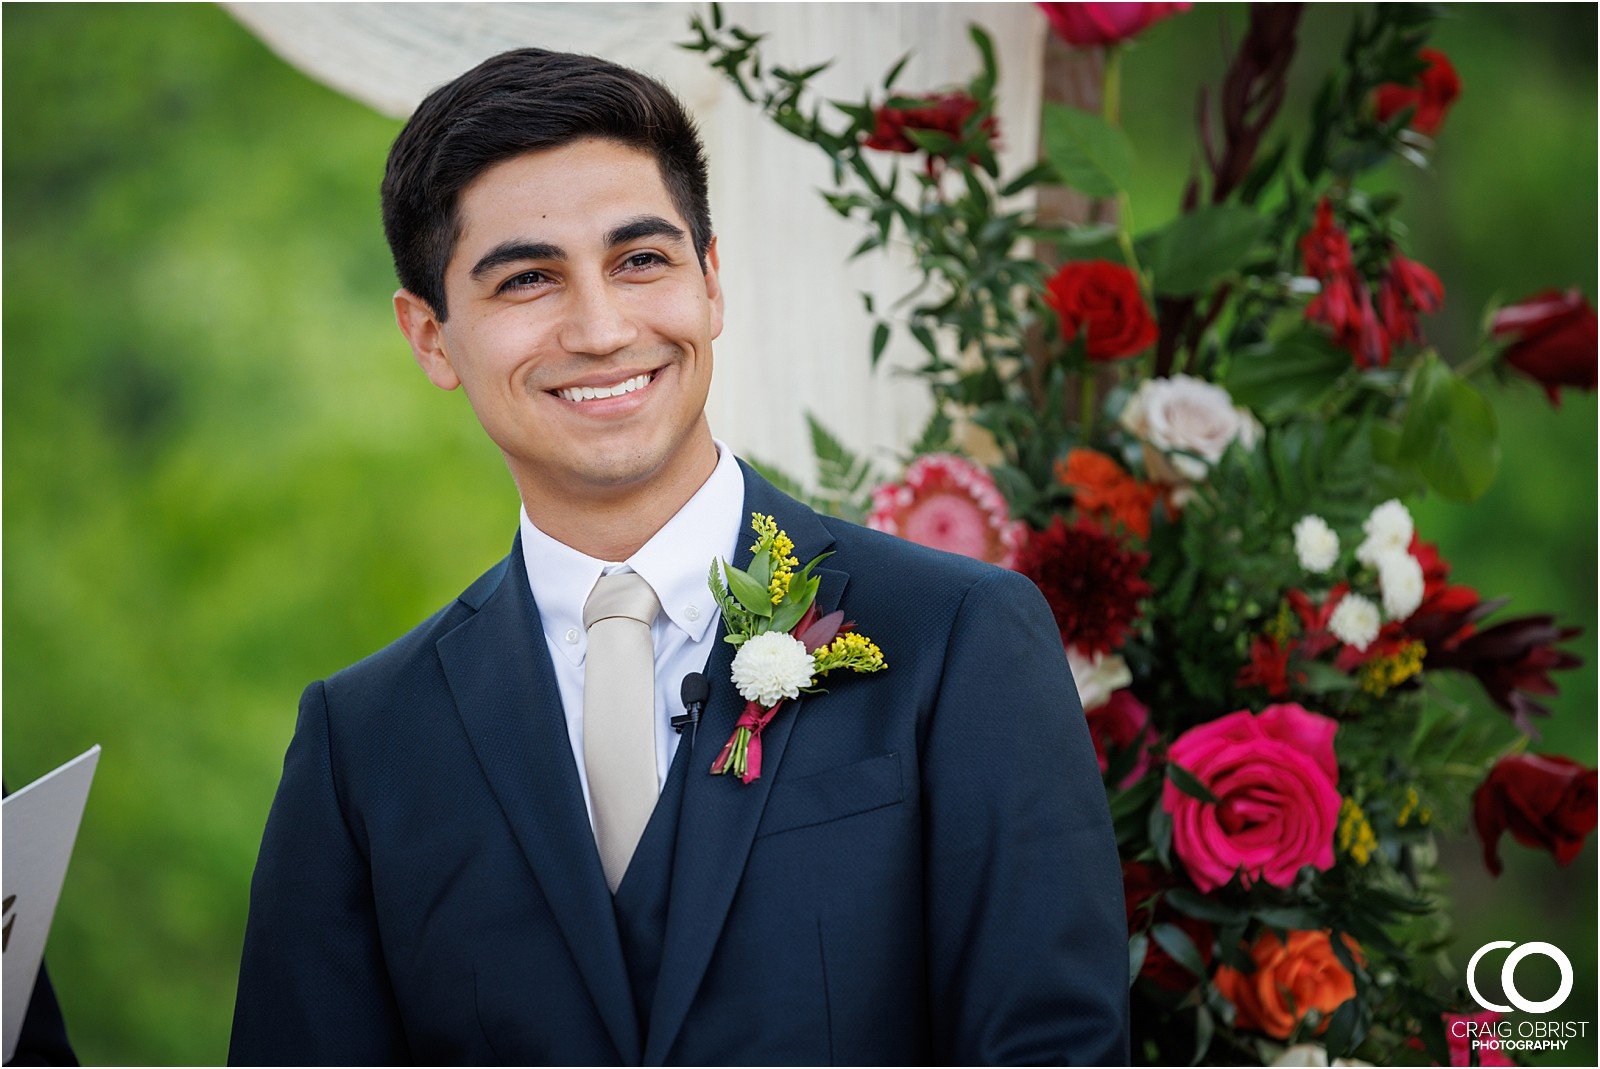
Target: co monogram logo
[(1508, 976)]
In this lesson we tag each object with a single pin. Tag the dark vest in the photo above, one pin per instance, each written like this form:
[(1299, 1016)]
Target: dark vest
[(641, 899)]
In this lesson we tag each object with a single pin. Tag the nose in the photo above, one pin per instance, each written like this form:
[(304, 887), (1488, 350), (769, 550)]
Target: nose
[(597, 322)]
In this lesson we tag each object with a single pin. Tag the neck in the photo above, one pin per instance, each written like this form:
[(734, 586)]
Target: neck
[(613, 525)]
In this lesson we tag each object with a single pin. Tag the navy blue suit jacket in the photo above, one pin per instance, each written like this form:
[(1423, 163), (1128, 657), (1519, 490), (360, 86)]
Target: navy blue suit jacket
[(924, 873)]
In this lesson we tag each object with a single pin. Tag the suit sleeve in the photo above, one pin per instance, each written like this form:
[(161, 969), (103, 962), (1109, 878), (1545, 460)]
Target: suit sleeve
[(313, 989), (1025, 924)]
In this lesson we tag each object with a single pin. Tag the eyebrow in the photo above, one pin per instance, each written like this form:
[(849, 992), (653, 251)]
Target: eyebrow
[(517, 250)]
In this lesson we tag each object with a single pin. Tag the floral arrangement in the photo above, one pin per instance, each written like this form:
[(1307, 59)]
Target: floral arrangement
[(783, 645), (1198, 440)]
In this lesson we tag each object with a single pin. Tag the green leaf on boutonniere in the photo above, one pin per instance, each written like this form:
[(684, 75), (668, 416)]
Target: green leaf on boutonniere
[(787, 615), (761, 569), (751, 594), (1190, 784)]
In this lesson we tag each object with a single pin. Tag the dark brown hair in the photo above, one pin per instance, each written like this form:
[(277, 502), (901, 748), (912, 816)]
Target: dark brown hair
[(522, 101)]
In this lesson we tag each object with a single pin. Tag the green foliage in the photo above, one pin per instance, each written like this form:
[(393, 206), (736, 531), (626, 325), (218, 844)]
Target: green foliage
[(1200, 247), (1086, 152), (1450, 435)]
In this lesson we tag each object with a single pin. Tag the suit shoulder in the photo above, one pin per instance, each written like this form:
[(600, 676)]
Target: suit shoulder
[(414, 650)]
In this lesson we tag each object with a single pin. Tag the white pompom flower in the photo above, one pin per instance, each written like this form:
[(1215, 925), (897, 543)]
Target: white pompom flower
[(772, 666), (1355, 621), (1400, 579), (1388, 530), (1315, 543)]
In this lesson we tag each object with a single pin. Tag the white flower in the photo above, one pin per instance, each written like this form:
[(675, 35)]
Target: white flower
[(1355, 621), (1311, 1056), (1097, 677), (1315, 543), (1185, 415), (772, 666), (1388, 528), (1400, 579)]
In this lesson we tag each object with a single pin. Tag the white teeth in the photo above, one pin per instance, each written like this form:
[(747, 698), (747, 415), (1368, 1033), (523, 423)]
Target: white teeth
[(587, 393)]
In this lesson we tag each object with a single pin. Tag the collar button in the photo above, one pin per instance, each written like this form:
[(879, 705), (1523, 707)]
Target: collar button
[(572, 635), (691, 613)]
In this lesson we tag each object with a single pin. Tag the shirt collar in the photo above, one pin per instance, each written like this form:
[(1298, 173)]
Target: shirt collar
[(674, 562)]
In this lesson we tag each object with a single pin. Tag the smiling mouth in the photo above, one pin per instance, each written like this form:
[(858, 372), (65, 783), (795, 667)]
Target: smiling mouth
[(616, 389)]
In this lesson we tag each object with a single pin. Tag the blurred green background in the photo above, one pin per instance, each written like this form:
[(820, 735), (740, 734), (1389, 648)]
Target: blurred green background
[(224, 477)]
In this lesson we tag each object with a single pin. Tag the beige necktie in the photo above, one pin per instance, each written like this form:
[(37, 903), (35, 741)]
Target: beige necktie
[(619, 715)]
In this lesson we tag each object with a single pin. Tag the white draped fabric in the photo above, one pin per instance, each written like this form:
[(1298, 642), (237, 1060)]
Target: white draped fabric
[(796, 335)]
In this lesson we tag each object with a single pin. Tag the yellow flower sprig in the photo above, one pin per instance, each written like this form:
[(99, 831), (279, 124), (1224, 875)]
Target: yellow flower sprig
[(771, 595), (851, 650)]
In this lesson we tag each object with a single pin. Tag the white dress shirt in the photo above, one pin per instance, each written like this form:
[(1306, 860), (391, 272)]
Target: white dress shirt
[(675, 563)]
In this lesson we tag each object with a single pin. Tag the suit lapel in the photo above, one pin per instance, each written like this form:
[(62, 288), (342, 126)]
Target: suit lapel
[(504, 686), (720, 814)]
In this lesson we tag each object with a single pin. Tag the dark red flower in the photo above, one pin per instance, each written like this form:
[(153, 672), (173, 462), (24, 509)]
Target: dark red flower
[(1090, 579), (1447, 612), (1101, 300), (1409, 289), (1117, 725), (1512, 660), (944, 113), (1391, 640), (1144, 888), (1545, 801), (1268, 667), (1432, 93), (1325, 247), (1314, 634), (1552, 340), (1086, 25), (1344, 304)]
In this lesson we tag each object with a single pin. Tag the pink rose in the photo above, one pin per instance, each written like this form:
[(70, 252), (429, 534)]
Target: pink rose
[(1104, 24), (1276, 783)]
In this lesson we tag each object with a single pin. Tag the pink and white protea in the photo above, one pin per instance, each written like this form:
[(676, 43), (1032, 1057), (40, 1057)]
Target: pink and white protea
[(947, 502)]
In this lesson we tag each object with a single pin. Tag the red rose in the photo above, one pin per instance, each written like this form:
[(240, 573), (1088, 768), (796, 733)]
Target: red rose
[(945, 113), (1104, 24), (1546, 801), (1553, 340), (1432, 94), (1101, 300)]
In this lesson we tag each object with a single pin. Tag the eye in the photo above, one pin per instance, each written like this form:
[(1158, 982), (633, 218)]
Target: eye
[(523, 281), (640, 261)]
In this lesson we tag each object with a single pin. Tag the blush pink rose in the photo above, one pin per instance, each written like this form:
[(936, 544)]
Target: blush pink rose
[(1275, 778)]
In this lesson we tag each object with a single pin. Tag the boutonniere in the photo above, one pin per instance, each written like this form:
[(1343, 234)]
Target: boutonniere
[(783, 646)]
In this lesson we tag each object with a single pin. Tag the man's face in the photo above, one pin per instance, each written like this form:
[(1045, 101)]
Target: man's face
[(575, 275)]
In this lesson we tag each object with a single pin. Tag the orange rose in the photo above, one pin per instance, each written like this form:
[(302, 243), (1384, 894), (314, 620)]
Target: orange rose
[(1100, 485), (1288, 982)]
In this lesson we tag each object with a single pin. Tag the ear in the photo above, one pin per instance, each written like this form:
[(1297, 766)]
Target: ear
[(714, 288), (423, 330)]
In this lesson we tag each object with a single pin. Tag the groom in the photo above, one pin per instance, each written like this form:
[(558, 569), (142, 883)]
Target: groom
[(492, 844)]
